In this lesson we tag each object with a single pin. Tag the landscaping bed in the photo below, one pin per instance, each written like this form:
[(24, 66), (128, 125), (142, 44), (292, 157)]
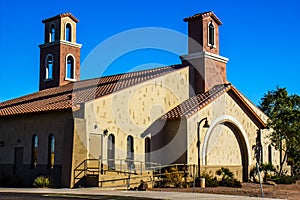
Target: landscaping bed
[(284, 191)]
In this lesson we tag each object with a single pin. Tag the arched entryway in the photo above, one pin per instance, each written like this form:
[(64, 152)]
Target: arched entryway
[(226, 143)]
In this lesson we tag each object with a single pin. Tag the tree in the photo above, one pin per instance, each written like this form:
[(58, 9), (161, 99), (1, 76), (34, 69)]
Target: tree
[(283, 111)]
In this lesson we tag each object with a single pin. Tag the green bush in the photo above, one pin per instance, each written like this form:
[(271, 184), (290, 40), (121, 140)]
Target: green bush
[(43, 182), (230, 182), (267, 169), (283, 179), (171, 178), (228, 179), (225, 173), (210, 181)]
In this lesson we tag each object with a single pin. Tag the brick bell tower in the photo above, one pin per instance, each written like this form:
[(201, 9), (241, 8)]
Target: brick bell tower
[(207, 67), (60, 54)]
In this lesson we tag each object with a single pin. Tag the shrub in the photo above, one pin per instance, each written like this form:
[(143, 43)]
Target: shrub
[(160, 183), (225, 173), (228, 179), (172, 178), (210, 181), (283, 179), (43, 182), (267, 169), (230, 182)]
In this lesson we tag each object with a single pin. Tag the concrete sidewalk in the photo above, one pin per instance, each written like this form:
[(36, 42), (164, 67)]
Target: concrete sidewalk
[(114, 192)]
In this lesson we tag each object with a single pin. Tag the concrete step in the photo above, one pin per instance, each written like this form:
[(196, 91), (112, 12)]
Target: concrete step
[(123, 182)]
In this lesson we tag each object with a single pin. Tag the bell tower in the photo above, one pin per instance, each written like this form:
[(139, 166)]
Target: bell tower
[(60, 54), (207, 67)]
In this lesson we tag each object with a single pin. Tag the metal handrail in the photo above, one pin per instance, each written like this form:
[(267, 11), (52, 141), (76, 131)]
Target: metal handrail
[(144, 166), (85, 168), (131, 167)]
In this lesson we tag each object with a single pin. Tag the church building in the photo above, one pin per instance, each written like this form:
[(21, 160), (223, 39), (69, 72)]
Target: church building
[(96, 132)]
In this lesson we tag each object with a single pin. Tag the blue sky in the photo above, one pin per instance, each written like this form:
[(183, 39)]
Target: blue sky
[(260, 38)]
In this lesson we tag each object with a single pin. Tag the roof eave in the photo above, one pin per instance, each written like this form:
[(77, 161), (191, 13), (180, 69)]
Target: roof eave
[(68, 14), (202, 16), (261, 122)]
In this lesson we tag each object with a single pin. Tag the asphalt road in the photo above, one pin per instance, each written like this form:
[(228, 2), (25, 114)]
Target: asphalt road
[(23, 196)]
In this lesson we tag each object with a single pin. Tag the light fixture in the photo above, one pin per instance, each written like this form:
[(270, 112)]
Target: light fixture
[(105, 132), (206, 125)]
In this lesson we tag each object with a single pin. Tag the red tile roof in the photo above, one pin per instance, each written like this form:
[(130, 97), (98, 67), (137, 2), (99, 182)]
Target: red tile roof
[(198, 102), (60, 16), (70, 96), (202, 16)]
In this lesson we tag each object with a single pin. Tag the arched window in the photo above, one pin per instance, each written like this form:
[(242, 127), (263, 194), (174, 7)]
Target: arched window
[(147, 151), (111, 151), (51, 151), (68, 32), (270, 154), (130, 152), (34, 150), (70, 68), (211, 34), (52, 33), (49, 67)]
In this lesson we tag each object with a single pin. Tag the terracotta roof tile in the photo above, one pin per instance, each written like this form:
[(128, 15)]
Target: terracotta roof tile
[(67, 14), (196, 103), (203, 15), (70, 96)]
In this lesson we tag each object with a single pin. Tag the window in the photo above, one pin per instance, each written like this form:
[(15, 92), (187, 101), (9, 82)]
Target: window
[(130, 152), (52, 33), (68, 32), (211, 34), (111, 151), (34, 150), (51, 151), (49, 67), (270, 154), (147, 152), (70, 71)]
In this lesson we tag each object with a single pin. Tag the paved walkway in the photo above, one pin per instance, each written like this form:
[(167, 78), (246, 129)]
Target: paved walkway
[(114, 192)]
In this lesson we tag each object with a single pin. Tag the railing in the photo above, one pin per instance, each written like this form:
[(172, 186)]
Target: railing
[(86, 167), (127, 166), (100, 167)]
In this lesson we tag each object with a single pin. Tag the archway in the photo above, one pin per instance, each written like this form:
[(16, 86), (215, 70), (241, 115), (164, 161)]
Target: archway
[(240, 137)]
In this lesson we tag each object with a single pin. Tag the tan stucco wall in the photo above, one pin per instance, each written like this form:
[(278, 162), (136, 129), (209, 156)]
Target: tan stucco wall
[(18, 131), (131, 111), (221, 153), (265, 134), (219, 142), (222, 106), (63, 24), (169, 144), (79, 151)]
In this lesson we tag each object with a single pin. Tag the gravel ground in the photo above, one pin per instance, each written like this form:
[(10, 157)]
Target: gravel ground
[(291, 192)]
